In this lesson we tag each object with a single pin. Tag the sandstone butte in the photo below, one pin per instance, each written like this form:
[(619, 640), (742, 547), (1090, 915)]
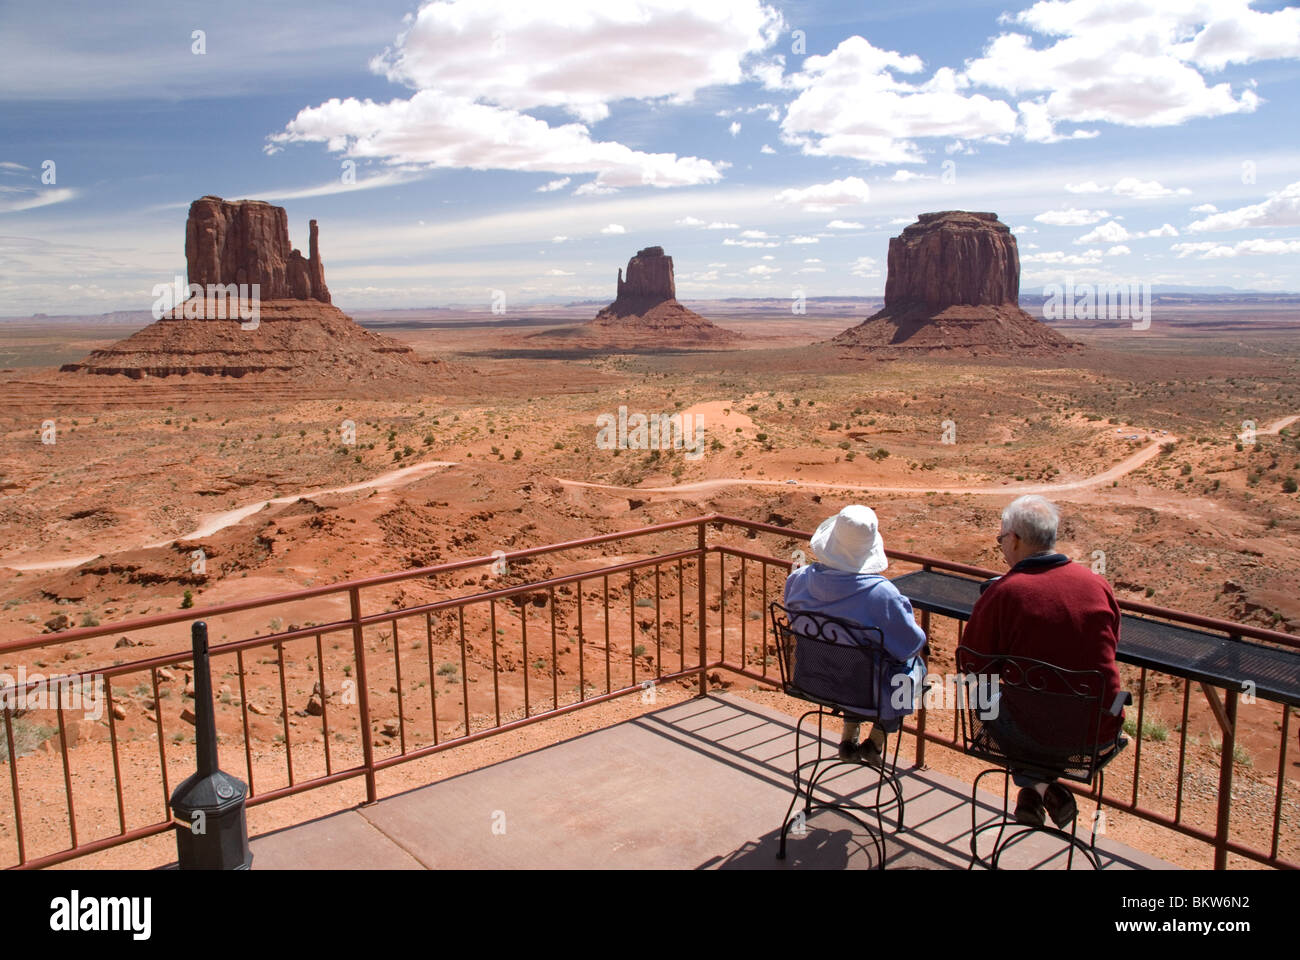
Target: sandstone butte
[(299, 336), (646, 308), (953, 285)]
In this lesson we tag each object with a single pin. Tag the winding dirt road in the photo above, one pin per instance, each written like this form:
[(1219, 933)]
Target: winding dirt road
[(396, 478)]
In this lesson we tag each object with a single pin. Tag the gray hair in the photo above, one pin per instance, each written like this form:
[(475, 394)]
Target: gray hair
[(1033, 519)]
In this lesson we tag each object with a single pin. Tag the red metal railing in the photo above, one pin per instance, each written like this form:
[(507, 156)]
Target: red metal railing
[(478, 636)]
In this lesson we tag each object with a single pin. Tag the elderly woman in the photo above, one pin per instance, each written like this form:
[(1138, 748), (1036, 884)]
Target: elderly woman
[(847, 583)]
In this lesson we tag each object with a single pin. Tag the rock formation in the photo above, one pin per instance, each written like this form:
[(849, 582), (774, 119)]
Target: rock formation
[(954, 284), (247, 241), (295, 337), (646, 305)]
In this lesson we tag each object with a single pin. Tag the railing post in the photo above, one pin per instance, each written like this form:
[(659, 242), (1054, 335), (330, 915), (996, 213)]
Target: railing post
[(363, 693), (1225, 780), (701, 613), (920, 713)]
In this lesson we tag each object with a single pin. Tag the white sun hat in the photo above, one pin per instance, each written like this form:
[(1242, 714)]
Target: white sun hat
[(850, 541)]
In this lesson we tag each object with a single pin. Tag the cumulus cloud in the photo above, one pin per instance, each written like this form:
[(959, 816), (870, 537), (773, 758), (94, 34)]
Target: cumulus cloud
[(559, 238), (734, 128), (827, 197), (439, 131), (721, 225), (1072, 217), (1129, 187), (732, 242), (804, 240), (1110, 232), (903, 176), (689, 222), (558, 273), (1118, 250), (851, 104), (865, 267), (1167, 230), (1212, 250), (1063, 259), (1205, 208), (552, 185), (476, 65), (765, 149), (763, 270), (1281, 209), (1127, 63), (847, 225), (521, 56), (613, 228)]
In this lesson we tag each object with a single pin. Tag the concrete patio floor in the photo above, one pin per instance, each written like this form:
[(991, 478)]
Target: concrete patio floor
[(701, 784)]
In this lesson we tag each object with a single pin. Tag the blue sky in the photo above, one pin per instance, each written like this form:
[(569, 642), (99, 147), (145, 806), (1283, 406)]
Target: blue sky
[(533, 148)]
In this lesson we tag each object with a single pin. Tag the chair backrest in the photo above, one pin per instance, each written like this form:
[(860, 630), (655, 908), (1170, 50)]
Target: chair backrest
[(1041, 719), (831, 661)]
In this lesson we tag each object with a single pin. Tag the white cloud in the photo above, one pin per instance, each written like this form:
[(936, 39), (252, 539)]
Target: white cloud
[(765, 149), (901, 221), (523, 56), (593, 188), (811, 270), (1038, 126), (439, 131), (865, 267), (720, 225), (558, 238), (1072, 217), (850, 104), (40, 198), (731, 242), (763, 270), (1212, 250), (804, 240), (1121, 62), (903, 176), (1168, 230), (1061, 258), (558, 273), (847, 225), (1088, 186), (613, 228), (1143, 189), (550, 185), (755, 235), (1118, 250), (734, 128), (827, 197), (1205, 208), (1111, 232), (689, 222), (1281, 209), (812, 260), (11, 165)]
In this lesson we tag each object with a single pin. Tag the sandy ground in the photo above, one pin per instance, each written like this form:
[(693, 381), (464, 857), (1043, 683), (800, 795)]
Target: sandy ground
[(1169, 454)]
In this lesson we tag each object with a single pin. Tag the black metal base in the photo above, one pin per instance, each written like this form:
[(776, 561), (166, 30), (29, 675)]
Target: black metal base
[(1009, 829), (804, 787)]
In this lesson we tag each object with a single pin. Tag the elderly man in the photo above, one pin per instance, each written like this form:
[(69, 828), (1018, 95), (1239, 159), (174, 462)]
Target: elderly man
[(1050, 609), (846, 583)]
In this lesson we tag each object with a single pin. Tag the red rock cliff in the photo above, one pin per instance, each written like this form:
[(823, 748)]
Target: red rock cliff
[(649, 278), (247, 241), (953, 258)]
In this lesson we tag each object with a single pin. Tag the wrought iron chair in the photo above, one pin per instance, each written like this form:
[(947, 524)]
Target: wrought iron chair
[(841, 667), (1044, 721)]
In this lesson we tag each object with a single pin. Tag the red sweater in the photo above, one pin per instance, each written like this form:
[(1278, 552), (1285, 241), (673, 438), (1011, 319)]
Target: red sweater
[(1057, 611)]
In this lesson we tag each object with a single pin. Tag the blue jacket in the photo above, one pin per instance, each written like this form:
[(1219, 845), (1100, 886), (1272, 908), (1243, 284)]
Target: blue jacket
[(871, 600)]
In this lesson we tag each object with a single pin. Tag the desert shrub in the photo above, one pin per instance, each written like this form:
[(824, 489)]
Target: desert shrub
[(1289, 485), (187, 601)]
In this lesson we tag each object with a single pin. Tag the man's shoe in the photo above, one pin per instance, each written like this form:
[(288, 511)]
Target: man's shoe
[(1060, 805), (869, 754), (848, 751), (1029, 808)]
